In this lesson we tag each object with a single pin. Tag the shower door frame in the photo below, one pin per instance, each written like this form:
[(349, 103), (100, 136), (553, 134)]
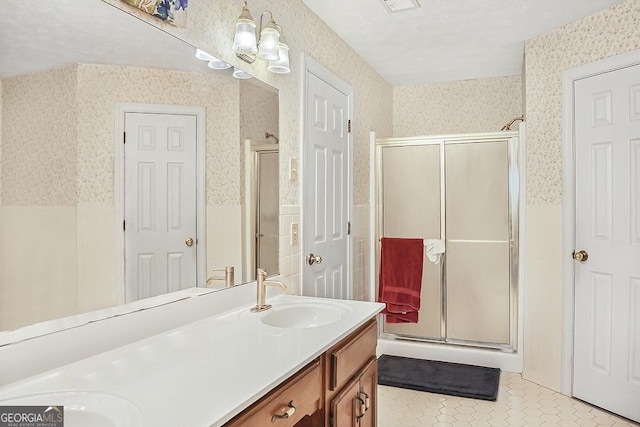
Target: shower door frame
[(515, 150), (251, 228)]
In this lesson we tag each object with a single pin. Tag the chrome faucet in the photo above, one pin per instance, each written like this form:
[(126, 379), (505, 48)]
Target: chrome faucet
[(228, 277), (262, 284)]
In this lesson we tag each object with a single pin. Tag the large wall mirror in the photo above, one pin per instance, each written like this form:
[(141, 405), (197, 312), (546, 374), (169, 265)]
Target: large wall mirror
[(91, 218)]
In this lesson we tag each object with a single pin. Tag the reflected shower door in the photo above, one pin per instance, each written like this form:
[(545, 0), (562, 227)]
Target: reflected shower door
[(267, 218)]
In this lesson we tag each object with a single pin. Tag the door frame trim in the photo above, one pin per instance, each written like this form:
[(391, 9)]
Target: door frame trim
[(569, 77), (311, 66), (121, 109)]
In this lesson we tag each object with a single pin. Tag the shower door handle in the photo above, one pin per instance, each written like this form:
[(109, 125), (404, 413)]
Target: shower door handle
[(314, 259)]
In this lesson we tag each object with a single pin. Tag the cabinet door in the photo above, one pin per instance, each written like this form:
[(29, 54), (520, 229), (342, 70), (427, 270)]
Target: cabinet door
[(356, 404), (368, 393), (343, 406)]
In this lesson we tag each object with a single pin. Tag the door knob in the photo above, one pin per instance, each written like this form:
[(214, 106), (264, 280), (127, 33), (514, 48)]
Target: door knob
[(581, 256), (314, 259), (189, 242)]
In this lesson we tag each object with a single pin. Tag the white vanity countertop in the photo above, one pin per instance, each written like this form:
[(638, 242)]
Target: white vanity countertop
[(206, 372)]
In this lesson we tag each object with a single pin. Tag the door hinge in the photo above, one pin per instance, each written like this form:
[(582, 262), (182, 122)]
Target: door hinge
[(124, 137), (124, 225), (349, 126), (348, 228)]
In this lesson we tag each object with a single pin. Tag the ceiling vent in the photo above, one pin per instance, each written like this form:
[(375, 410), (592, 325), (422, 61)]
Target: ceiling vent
[(400, 5)]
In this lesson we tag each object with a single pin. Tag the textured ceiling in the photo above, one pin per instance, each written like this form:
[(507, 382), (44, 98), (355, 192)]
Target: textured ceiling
[(38, 34), (447, 40)]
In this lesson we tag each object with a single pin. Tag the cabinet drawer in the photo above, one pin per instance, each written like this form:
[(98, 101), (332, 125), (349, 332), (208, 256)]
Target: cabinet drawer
[(304, 389), (349, 358)]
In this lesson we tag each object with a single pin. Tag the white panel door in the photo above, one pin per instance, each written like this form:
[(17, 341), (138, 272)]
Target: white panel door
[(607, 283), (326, 191), (160, 204)]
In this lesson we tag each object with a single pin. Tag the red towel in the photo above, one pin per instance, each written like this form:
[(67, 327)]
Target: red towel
[(401, 278)]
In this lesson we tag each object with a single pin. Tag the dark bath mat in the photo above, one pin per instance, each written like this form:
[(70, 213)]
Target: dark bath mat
[(455, 379)]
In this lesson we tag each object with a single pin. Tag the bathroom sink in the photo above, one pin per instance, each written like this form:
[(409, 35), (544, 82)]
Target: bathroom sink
[(303, 315), (85, 408)]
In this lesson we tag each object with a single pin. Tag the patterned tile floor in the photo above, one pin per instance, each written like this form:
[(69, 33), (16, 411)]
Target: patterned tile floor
[(520, 403)]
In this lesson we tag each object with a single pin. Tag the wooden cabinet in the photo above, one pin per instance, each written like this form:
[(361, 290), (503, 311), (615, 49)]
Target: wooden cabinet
[(339, 389), (296, 400), (352, 368), (355, 405)]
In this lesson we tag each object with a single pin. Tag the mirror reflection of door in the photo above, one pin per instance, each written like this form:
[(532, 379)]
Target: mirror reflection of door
[(160, 203), (262, 233)]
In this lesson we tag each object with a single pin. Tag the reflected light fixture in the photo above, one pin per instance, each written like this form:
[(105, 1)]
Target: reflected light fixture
[(239, 74), (212, 61), (218, 64), (269, 46), (204, 56)]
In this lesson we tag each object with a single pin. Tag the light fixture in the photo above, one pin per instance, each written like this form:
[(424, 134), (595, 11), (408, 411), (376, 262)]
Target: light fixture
[(269, 39), (270, 45), (212, 61), (281, 65), (244, 42)]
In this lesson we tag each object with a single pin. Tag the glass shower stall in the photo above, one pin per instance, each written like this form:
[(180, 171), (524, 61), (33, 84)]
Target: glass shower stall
[(465, 190)]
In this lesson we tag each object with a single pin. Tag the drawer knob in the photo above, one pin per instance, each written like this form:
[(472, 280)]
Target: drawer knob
[(286, 412)]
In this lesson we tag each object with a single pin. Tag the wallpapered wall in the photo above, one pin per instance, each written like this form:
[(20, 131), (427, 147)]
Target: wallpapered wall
[(58, 134), (96, 112), (605, 34), (39, 138), (482, 105), (211, 27), (58, 165), (1, 213), (39, 197), (0, 150), (259, 113), (613, 31)]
